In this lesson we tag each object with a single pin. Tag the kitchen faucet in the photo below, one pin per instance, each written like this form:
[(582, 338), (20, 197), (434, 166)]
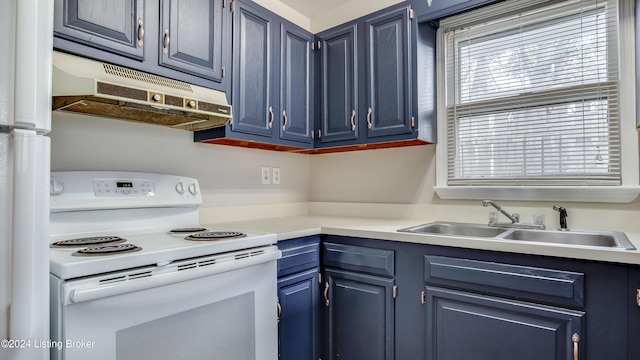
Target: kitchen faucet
[(563, 217), (515, 218)]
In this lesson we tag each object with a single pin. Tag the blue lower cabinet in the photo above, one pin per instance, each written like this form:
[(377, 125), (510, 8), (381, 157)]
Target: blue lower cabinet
[(463, 325), (360, 321), (299, 323), (298, 310), (453, 303)]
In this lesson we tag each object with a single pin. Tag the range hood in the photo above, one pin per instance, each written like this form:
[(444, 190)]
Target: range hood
[(90, 87)]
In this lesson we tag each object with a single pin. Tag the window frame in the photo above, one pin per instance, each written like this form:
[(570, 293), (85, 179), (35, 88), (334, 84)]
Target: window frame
[(629, 187)]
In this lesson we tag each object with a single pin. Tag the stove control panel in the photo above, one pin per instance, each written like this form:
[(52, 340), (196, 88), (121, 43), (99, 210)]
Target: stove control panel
[(110, 188), (102, 190)]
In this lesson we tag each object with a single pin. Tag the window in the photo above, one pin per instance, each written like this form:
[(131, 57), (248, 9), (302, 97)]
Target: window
[(532, 99)]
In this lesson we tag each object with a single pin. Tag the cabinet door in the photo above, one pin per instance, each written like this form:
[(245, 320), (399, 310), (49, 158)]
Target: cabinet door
[(463, 325), (299, 325), (191, 35), (296, 85), (253, 101), (116, 26), (360, 316), (339, 109), (388, 76)]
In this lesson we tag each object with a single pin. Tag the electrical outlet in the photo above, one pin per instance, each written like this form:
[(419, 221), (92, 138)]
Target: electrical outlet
[(266, 175), (276, 175)]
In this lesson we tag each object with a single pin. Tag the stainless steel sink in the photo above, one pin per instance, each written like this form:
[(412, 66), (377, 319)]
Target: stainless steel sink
[(603, 239), (610, 239), (455, 229)]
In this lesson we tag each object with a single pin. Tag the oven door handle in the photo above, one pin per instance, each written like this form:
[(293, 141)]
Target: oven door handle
[(84, 294)]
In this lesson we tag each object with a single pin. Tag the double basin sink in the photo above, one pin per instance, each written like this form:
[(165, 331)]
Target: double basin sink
[(580, 238)]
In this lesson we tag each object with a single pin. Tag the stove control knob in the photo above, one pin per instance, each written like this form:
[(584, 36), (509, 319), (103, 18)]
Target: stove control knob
[(193, 189), (180, 188), (55, 187)]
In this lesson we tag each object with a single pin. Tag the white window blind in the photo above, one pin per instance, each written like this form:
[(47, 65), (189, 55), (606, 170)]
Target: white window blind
[(532, 94)]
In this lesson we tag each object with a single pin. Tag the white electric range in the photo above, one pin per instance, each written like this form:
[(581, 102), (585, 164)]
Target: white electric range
[(128, 253)]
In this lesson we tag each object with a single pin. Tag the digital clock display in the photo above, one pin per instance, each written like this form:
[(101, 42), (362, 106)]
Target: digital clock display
[(124, 184)]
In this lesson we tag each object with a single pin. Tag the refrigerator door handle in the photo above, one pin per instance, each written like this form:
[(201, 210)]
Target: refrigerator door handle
[(30, 245)]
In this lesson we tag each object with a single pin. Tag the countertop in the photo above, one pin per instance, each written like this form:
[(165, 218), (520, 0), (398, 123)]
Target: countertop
[(291, 227)]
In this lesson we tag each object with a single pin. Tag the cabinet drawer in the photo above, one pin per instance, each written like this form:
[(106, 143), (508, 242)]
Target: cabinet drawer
[(550, 286), (361, 259), (298, 255)]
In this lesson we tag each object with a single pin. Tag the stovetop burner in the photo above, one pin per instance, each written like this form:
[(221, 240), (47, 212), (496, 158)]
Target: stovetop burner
[(111, 249), (187, 230), (89, 241), (214, 235)]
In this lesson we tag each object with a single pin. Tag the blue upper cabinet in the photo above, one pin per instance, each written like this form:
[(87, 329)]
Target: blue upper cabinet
[(368, 93), (191, 37), (272, 87), (296, 84), (253, 96), (339, 84), (388, 74), (114, 26), (188, 41)]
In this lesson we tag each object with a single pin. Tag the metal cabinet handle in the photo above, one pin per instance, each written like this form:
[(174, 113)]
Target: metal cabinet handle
[(353, 124), (326, 294), (270, 117), (369, 118), (279, 309), (575, 339), (140, 33), (165, 48), (423, 297), (429, 3), (284, 125)]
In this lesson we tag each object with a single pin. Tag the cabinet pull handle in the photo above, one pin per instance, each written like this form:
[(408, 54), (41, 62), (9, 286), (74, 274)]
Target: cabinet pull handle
[(429, 3), (270, 117), (284, 125), (165, 48), (326, 294), (353, 123), (279, 309), (638, 297), (575, 339), (140, 33), (369, 118), (423, 297)]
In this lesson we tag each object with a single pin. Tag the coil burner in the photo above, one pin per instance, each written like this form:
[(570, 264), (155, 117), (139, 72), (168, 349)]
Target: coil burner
[(214, 235), (111, 249), (88, 241), (187, 230)]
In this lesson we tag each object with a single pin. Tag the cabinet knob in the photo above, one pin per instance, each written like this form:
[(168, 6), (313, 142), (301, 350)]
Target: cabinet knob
[(353, 123), (165, 48), (326, 294), (270, 117), (284, 125), (140, 33)]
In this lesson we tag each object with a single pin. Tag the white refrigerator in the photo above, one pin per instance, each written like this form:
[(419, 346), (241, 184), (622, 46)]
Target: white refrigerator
[(26, 30)]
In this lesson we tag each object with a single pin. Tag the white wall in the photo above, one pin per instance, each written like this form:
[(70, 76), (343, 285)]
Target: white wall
[(228, 176), (398, 183)]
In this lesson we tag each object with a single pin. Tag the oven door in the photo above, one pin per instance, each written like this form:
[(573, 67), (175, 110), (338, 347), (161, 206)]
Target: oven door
[(216, 307)]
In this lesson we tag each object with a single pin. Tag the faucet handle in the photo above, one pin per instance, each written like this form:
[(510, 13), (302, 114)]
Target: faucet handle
[(516, 217)]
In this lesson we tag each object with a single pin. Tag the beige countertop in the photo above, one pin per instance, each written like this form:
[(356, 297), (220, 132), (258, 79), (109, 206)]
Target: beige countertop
[(291, 227)]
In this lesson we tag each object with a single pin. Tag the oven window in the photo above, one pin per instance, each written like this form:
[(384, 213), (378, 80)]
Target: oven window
[(222, 330)]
